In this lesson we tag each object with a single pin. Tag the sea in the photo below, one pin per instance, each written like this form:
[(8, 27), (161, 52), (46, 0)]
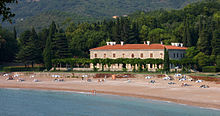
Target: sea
[(21, 102)]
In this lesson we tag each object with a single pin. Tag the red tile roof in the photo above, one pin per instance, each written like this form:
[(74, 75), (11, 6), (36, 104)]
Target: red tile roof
[(137, 46)]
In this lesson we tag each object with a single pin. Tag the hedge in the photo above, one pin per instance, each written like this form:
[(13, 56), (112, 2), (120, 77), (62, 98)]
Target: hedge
[(209, 69), (20, 69)]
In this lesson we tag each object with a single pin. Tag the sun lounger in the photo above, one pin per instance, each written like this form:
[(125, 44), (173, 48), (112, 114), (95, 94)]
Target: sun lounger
[(10, 78), (199, 81), (148, 77), (20, 80), (152, 81), (16, 75), (56, 76), (171, 83), (35, 80), (166, 78), (182, 79), (5, 75), (204, 86), (185, 84), (89, 80)]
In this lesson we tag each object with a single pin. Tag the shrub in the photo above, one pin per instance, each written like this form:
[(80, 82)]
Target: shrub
[(209, 69), (20, 69)]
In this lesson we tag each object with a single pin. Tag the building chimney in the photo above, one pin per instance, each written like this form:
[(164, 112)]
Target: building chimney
[(144, 42), (161, 42), (181, 44), (122, 43), (108, 43), (148, 42)]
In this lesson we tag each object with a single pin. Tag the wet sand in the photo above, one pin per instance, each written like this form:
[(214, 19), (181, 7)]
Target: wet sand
[(135, 87)]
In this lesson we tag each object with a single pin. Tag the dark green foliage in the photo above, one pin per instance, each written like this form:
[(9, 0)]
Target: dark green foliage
[(196, 25), (108, 62), (216, 42), (8, 46), (187, 39), (166, 61), (20, 69), (209, 69), (47, 54), (60, 46), (218, 63), (40, 14), (30, 52), (203, 43)]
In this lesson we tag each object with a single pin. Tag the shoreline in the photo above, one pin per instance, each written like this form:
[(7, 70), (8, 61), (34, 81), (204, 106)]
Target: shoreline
[(163, 99), (137, 86)]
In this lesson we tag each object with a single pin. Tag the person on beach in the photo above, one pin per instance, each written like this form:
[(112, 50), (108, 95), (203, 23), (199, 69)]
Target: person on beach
[(94, 92)]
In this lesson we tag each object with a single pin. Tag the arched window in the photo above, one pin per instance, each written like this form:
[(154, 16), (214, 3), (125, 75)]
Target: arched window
[(95, 55), (132, 55), (142, 55), (104, 55), (161, 55), (174, 55), (151, 55), (114, 55), (177, 55), (123, 55)]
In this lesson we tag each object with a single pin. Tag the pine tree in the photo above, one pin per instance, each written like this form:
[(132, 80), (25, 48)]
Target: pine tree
[(166, 61), (30, 52), (36, 50), (61, 46)]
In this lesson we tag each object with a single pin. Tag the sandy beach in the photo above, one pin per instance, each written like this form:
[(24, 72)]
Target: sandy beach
[(134, 87)]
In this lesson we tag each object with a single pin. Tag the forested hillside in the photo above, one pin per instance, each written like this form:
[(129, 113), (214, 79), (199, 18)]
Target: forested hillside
[(197, 26), (40, 13)]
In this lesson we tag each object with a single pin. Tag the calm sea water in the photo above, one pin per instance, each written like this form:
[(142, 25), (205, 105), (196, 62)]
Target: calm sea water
[(16, 102)]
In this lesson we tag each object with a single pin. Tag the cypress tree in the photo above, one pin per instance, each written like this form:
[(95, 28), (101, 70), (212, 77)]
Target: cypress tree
[(216, 42), (166, 61), (187, 39), (48, 52), (15, 33), (218, 63), (184, 34), (203, 43)]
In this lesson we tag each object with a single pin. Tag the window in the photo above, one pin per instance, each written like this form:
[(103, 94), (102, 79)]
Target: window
[(123, 55), (104, 55), (151, 65), (177, 55), (161, 55), (132, 55), (95, 55), (113, 55), (142, 55), (151, 55), (174, 55)]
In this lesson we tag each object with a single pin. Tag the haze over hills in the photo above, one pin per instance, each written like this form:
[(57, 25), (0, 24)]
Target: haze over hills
[(40, 13)]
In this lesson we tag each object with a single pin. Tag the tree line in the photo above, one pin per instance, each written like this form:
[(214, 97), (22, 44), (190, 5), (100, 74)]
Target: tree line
[(197, 26)]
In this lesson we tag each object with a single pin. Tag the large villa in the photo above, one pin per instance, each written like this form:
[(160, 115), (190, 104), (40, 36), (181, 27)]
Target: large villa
[(142, 51)]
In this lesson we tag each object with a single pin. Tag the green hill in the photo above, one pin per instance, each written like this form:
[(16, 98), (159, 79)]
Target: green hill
[(40, 13)]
